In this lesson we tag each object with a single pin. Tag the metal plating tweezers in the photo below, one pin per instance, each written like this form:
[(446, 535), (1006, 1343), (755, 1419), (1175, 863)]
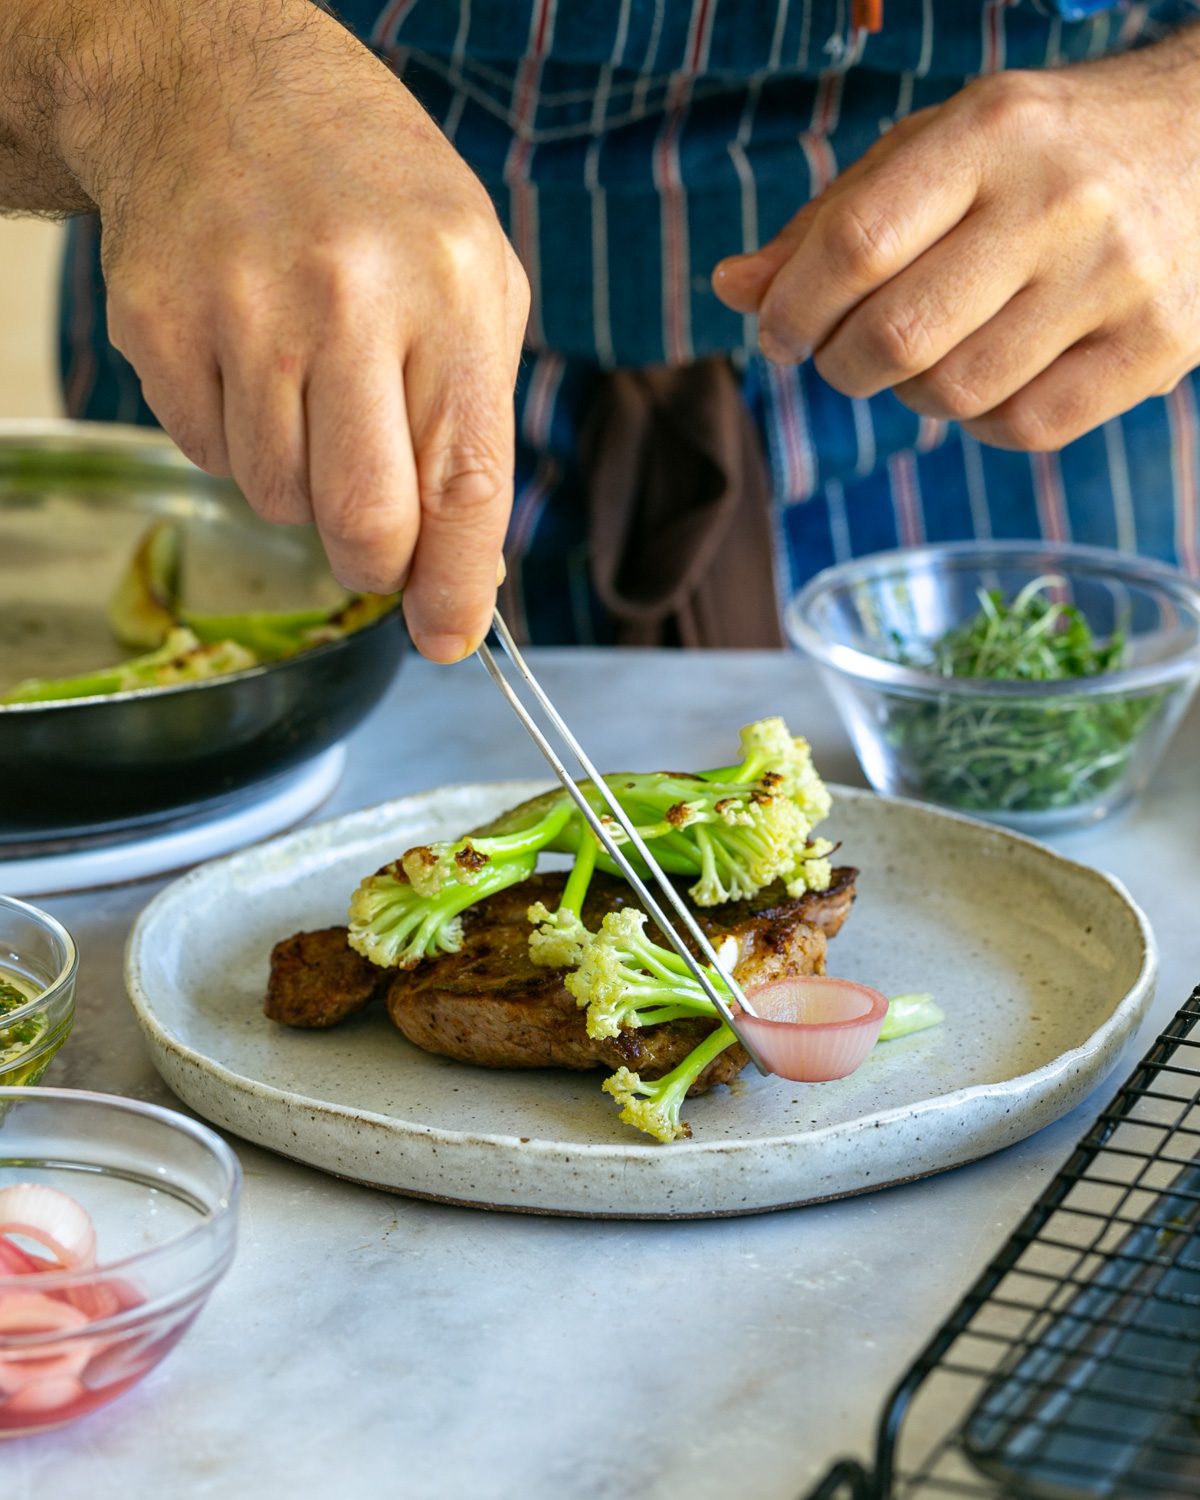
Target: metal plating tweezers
[(605, 839)]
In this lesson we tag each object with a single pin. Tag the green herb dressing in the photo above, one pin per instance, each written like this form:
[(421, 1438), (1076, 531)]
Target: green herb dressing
[(16, 1039)]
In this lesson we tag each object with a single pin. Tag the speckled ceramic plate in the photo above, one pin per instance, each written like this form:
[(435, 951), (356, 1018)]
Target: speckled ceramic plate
[(1043, 966)]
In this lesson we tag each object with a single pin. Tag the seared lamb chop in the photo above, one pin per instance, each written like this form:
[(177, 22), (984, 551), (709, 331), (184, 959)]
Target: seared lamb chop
[(489, 1004), (317, 979)]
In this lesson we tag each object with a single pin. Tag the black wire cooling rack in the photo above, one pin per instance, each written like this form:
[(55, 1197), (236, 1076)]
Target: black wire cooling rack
[(1071, 1369)]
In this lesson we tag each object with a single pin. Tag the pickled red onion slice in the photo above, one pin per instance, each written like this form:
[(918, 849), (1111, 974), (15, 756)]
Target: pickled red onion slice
[(49, 1353), (103, 1297), (815, 1028), (54, 1220), (35, 1312), (47, 1397), (17, 1262)]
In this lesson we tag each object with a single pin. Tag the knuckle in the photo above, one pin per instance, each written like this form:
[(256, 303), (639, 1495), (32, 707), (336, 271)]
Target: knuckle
[(1143, 271), (280, 501), (954, 395), (900, 340), (344, 280), (204, 450), (844, 375), (1166, 384), (1089, 199), (135, 321), (518, 283), (863, 244), (462, 485), (464, 462), (471, 252), (357, 514), (244, 295), (1011, 103), (1030, 428)]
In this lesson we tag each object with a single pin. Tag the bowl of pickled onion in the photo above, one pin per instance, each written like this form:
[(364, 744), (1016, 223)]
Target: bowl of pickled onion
[(117, 1219)]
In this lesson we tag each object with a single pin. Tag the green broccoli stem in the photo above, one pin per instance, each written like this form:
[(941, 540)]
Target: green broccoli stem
[(529, 838), (673, 1086), (653, 1002), (576, 889), (909, 1013), (685, 1009), (427, 928), (541, 835), (654, 1106)]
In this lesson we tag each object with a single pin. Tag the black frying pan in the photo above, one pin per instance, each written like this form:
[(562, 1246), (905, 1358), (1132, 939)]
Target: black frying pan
[(74, 498)]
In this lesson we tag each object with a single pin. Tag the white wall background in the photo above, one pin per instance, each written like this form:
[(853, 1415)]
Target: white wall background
[(29, 251)]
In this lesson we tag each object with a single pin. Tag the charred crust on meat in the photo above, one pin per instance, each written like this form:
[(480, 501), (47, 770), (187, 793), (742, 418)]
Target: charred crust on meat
[(317, 980)]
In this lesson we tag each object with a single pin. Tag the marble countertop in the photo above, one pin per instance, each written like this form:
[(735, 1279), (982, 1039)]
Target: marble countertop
[(367, 1345)]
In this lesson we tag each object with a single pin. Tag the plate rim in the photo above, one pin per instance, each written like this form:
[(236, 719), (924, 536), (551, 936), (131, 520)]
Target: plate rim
[(1135, 998)]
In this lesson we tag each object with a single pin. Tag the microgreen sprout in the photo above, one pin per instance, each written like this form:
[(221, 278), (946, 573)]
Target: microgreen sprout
[(993, 754)]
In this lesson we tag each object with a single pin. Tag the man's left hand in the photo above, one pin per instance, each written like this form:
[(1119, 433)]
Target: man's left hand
[(1024, 258)]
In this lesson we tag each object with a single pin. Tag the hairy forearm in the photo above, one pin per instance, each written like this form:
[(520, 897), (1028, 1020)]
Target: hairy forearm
[(90, 90), (38, 40)]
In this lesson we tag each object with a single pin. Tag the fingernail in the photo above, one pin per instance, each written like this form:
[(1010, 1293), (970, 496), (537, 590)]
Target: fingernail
[(444, 648), (732, 264), (501, 572)]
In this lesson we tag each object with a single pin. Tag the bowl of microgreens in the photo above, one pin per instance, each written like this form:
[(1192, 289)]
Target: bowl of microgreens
[(1031, 683)]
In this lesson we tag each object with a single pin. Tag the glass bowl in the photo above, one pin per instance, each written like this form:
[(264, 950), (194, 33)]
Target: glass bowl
[(162, 1193), (1036, 756), (38, 958)]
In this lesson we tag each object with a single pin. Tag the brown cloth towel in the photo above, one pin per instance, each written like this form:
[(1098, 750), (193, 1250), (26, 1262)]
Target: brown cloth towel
[(679, 529)]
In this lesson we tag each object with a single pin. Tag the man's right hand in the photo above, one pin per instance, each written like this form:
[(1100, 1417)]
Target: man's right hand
[(313, 288)]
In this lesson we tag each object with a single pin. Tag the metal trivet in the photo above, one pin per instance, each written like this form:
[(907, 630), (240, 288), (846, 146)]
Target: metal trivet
[(1072, 1366)]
